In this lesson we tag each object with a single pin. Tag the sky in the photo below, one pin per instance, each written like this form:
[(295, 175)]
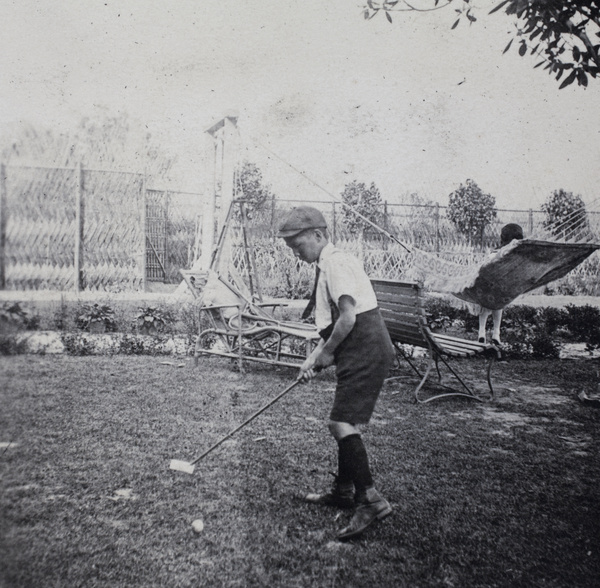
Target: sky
[(412, 106)]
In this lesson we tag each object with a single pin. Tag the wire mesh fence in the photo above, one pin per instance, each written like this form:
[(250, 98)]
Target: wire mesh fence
[(90, 229), (106, 230), (417, 226)]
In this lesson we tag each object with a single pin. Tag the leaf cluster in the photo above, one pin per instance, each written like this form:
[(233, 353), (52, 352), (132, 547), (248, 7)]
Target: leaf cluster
[(366, 201), (470, 209), (252, 189), (11, 314), (563, 33), (96, 314), (152, 318), (564, 212)]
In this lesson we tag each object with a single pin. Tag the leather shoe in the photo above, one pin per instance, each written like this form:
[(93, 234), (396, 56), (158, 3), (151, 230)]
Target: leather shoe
[(372, 508), (341, 495)]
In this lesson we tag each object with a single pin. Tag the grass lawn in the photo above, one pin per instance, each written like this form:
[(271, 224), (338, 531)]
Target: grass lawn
[(498, 494)]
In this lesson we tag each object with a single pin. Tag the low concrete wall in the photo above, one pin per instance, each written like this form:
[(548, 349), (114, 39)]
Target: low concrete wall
[(57, 342)]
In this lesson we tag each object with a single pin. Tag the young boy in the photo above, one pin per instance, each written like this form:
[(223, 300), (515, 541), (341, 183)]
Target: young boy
[(354, 339), (509, 232)]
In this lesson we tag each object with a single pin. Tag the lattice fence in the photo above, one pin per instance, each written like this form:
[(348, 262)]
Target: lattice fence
[(182, 233), (112, 230), (93, 229), (423, 227), (40, 228), (105, 230)]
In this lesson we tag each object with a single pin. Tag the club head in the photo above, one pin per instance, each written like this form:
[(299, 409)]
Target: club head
[(181, 466)]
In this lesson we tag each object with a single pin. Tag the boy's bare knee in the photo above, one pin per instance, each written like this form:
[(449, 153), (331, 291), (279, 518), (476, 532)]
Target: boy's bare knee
[(339, 430)]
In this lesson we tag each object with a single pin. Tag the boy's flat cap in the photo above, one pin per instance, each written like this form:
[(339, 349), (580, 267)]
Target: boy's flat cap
[(301, 218)]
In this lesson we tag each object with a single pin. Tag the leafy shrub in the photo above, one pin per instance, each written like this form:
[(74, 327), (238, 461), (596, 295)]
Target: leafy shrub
[(366, 201), (583, 324), (13, 317), (565, 212), (526, 332), (131, 345), (11, 346), (60, 318), (253, 190), (77, 345), (471, 210), (188, 317), (95, 315), (443, 315), (151, 319)]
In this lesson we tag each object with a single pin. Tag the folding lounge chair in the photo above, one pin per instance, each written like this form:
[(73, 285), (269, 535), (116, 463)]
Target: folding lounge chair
[(231, 325)]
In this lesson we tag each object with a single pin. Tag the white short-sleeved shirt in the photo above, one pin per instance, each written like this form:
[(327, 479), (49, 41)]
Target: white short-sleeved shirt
[(341, 274)]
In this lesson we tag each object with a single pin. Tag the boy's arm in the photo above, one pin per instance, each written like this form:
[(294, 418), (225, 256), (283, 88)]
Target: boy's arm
[(322, 356)]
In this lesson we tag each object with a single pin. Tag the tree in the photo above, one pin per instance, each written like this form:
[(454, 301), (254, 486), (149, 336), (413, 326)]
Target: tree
[(560, 32), (251, 188), (471, 210), (101, 140), (366, 201), (419, 221), (565, 213)]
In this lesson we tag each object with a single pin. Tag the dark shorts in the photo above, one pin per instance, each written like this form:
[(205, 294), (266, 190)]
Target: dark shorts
[(362, 362)]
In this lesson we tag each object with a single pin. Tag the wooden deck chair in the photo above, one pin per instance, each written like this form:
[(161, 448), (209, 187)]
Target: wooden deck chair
[(231, 325), (402, 308)]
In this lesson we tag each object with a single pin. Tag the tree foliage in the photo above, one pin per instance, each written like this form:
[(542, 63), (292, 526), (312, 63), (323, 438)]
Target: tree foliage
[(366, 201), (563, 34), (251, 188), (470, 210), (565, 213), (101, 140)]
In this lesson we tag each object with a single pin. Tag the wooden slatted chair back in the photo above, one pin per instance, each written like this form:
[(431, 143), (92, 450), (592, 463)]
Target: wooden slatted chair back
[(402, 308)]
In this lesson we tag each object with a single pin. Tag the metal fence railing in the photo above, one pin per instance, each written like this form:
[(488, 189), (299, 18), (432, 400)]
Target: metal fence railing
[(65, 228)]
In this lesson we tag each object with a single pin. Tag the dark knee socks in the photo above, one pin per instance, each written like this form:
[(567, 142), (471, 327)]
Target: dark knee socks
[(354, 464)]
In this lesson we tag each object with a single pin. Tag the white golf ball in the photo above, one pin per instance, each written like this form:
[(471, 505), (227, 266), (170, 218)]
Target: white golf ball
[(198, 526)]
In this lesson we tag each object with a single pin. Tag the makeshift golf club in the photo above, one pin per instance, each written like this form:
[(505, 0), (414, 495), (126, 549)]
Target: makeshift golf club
[(188, 467)]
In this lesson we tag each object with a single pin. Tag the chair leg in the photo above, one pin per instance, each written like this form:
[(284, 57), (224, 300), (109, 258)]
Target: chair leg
[(437, 367), (407, 359), (489, 375), (197, 348), (430, 363), (468, 394)]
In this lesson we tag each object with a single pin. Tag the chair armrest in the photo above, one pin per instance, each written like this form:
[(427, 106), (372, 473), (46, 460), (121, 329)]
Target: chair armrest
[(219, 306)]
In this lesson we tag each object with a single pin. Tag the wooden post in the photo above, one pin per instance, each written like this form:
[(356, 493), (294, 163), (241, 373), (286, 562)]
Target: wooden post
[(143, 244), (437, 227), (224, 134), (3, 214), (229, 157), (165, 239), (333, 223), (208, 217), (273, 227), (385, 215), (79, 235), (530, 223), (385, 223)]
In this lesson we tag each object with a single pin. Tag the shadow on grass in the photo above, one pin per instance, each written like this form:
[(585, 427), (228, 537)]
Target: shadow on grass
[(500, 494)]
